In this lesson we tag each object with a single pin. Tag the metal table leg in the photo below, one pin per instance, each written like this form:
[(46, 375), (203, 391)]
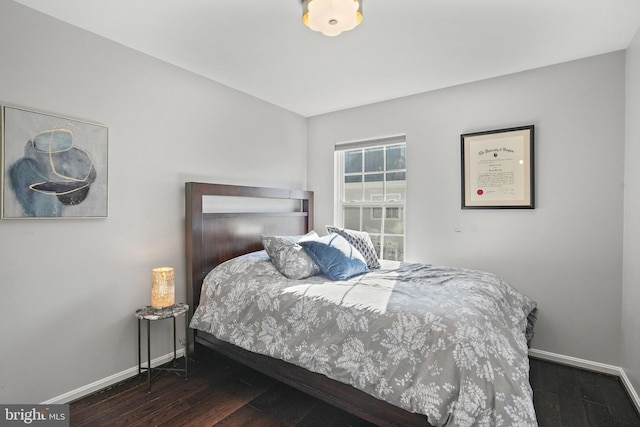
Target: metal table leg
[(186, 346), (139, 358), (149, 354), (175, 352)]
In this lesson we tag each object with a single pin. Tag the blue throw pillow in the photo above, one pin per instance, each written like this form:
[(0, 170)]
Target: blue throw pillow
[(337, 258)]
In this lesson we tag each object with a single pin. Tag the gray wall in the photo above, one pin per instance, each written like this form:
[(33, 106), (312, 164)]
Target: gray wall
[(567, 253), (631, 276), (70, 287)]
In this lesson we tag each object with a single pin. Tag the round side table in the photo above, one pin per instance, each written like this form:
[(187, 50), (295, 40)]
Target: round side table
[(149, 314)]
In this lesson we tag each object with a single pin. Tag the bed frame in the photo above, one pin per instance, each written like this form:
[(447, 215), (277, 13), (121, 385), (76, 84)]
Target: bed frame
[(212, 238)]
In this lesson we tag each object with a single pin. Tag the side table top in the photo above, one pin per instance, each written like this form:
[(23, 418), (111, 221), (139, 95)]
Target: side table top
[(150, 313)]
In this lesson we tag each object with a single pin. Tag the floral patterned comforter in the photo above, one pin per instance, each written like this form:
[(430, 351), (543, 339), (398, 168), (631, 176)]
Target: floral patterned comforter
[(445, 342)]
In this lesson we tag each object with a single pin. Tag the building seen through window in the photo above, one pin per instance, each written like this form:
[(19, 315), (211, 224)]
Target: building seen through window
[(372, 194)]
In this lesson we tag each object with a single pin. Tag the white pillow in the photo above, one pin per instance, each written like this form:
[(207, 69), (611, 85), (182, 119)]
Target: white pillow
[(361, 241)]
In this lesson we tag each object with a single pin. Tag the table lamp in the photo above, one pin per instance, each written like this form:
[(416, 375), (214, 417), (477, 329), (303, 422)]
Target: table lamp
[(163, 287)]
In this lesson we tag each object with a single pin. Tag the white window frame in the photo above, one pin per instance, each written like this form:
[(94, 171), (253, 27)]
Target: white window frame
[(339, 205)]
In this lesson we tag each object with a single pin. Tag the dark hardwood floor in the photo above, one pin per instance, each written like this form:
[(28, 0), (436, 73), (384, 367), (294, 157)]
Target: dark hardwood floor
[(566, 396), (221, 392)]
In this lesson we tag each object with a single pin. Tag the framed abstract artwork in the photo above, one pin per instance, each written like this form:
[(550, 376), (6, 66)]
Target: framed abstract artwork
[(498, 169), (52, 167)]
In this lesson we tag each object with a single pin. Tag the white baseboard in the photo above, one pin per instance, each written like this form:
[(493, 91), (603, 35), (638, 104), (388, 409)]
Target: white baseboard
[(106, 382), (539, 354), (591, 366)]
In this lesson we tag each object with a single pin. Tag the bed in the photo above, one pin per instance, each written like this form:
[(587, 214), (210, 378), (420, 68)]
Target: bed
[(226, 260)]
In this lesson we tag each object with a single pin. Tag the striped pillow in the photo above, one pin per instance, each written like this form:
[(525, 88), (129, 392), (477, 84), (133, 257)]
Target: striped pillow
[(361, 241)]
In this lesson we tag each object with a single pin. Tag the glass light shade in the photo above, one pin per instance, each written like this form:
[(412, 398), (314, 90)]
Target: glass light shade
[(331, 17), (162, 287)]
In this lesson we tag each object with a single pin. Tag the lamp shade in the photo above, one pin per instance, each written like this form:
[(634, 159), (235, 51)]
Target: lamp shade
[(331, 17), (162, 287)]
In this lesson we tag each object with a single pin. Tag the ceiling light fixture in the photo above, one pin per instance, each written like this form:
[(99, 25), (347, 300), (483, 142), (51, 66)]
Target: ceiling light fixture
[(331, 17)]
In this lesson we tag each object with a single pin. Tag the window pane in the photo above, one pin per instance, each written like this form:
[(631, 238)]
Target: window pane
[(393, 248), (396, 176), (371, 177), (375, 239), (394, 223), (373, 191), (373, 159), (352, 218), (353, 178), (396, 190), (352, 191), (395, 157), (372, 220), (353, 161)]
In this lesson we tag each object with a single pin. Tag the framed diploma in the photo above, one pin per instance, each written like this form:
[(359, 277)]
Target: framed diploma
[(497, 169)]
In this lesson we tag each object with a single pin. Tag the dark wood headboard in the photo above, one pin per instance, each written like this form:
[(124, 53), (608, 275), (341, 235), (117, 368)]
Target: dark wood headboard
[(215, 237)]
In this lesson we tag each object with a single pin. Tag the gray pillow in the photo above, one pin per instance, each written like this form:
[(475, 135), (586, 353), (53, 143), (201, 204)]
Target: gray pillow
[(291, 260), (361, 241)]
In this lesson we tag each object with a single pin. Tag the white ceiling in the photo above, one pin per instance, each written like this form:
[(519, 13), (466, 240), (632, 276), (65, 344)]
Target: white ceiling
[(401, 48)]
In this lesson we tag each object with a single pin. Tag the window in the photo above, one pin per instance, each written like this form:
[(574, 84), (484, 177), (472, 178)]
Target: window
[(371, 191)]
